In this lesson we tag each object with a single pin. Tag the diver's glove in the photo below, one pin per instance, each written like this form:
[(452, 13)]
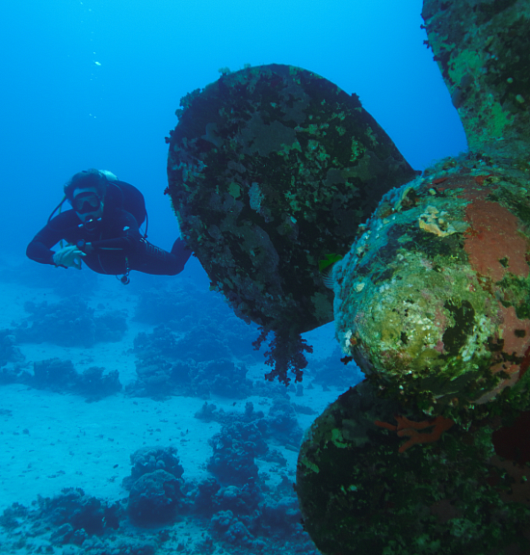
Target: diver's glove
[(69, 257)]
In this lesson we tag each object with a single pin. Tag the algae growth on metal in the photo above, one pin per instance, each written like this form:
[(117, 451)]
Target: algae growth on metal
[(431, 453), (361, 495), (271, 169), (482, 51)]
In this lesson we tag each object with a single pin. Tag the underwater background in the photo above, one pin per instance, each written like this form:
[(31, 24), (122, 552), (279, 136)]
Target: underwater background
[(104, 385)]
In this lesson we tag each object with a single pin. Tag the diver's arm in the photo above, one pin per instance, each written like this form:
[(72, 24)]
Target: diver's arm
[(54, 231), (182, 253), (146, 257), (39, 252)]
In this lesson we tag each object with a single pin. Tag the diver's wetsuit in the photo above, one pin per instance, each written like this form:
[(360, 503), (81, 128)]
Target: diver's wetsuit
[(117, 242)]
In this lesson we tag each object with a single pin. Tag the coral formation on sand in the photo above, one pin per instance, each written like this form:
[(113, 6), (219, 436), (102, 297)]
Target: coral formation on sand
[(149, 459), (271, 169), (234, 450), (9, 352), (72, 323), (55, 374), (195, 363), (180, 309), (159, 513), (154, 498), (68, 518)]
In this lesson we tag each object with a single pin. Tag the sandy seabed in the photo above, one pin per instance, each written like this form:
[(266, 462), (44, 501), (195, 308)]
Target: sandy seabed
[(51, 441)]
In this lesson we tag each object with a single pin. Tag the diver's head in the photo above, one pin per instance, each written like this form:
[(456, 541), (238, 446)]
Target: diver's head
[(87, 203), (109, 175), (86, 193)]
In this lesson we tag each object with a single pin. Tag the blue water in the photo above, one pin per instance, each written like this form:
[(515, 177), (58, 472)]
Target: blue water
[(61, 112), (96, 84)]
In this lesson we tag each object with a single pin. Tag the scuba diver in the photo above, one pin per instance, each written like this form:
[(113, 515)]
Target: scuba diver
[(102, 229)]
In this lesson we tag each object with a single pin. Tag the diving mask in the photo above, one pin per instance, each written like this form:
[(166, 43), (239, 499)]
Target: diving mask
[(87, 202)]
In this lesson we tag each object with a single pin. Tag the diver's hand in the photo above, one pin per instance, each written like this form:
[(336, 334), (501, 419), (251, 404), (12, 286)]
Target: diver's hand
[(69, 257)]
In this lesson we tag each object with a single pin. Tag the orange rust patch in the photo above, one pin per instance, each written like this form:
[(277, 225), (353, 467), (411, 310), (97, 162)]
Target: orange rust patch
[(494, 236), (513, 371), (481, 178), (456, 182), (473, 186), (525, 364), (514, 344), (409, 428)]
